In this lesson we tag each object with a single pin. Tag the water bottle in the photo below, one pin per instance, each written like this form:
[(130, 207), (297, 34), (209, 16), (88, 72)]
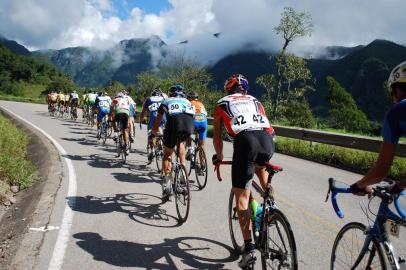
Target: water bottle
[(256, 213)]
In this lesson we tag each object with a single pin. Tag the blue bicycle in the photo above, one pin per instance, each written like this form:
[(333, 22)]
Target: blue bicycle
[(360, 247)]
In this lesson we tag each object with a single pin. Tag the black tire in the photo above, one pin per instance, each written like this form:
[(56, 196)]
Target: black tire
[(158, 153), (234, 225), (279, 246), (181, 190), (104, 132), (198, 156), (339, 260)]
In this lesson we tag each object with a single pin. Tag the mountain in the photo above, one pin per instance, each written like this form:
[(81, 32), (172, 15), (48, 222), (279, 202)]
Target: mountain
[(362, 72), (14, 46), (92, 67)]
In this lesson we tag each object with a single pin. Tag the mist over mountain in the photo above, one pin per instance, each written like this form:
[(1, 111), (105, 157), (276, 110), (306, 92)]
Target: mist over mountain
[(14, 46), (362, 70)]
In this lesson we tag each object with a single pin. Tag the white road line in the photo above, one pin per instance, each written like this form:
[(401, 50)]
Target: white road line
[(64, 232)]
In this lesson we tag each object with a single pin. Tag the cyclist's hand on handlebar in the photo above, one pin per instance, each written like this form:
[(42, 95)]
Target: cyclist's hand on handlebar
[(216, 159), (361, 191)]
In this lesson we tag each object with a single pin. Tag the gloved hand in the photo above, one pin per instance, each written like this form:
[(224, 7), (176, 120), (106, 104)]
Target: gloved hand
[(215, 159), (360, 191)]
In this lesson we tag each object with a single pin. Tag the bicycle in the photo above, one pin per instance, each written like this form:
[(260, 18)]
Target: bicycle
[(74, 112), (376, 240), (102, 132), (198, 162), (273, 236), (157, 151), (120, 144), (180, 187)]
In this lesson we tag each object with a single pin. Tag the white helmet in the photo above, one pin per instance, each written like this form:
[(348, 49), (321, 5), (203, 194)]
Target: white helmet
[(398, 74)]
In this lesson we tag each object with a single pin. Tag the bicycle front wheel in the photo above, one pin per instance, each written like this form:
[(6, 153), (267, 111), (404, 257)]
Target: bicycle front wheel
[(348, 252), (158, 156), (200, 166), (182, 193), (278, 243)]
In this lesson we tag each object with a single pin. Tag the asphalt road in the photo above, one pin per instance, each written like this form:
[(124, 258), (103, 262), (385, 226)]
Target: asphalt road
[(119, 221)]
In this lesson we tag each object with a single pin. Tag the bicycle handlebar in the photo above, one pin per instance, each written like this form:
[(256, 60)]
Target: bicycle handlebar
[(378, 192)]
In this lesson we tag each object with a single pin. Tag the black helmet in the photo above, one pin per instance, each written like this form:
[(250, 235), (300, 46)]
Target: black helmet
[(157, 92), (193, 95), (176, 91)]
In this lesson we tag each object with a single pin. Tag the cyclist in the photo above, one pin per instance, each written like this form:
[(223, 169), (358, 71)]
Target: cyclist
[(67, 98), (83, 103), (394, 127), (179, 126), (103, 103), (91, 102), (73, 100), (151, 105), (245, 121), (132, 112), (60, 99), (121, 114), (51, 98), (200, 118)]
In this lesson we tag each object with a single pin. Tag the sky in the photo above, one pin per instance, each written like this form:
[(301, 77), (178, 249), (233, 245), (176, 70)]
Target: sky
[(56, 24)]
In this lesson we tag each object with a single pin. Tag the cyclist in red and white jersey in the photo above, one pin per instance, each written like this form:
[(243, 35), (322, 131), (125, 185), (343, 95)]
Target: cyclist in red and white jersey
[(245, 121)]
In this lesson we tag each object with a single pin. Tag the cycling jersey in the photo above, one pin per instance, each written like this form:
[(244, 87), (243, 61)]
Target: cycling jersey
[(53, 97), (74, 96), (60, 98), (174, 106), (394, 125), (200, 119), (103, 103), (242, 112), (121, 105), (91, 99), (152, 104), (67, 97)]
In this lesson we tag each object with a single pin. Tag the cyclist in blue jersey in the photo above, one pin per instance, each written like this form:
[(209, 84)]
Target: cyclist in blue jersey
[(178, 128), (103, 103), (200, 118), (151, 105), (394, 127)]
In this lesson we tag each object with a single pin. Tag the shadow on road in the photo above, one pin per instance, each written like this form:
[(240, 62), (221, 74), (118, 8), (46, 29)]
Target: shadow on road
[(192, 252), (142, 208)]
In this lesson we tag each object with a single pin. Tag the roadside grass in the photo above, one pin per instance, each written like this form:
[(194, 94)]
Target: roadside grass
[(15, 167), (22, 99)]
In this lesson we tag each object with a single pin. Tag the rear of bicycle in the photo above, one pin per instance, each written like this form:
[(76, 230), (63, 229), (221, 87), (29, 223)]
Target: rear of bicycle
[(121, 146), (271, 229), (197, 162), (103, 131)]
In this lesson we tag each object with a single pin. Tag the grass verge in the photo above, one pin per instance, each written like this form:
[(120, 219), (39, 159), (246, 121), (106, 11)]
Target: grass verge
[(23, 99), (15, 167)]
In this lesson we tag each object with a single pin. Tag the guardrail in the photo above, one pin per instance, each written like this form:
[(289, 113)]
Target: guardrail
[(348, 141)]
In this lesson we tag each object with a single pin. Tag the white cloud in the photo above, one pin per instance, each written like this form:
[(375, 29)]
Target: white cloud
[(58, 24)]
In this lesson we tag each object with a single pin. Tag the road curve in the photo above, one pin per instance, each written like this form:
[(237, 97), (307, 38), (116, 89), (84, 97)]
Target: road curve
[(118, 220)]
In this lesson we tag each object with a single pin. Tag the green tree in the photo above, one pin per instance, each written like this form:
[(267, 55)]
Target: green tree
[(298, 113), (344, 112), (292, 79)]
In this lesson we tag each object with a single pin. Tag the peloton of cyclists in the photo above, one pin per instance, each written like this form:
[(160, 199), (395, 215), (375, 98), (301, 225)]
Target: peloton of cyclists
[(151, 106), (178, 128)]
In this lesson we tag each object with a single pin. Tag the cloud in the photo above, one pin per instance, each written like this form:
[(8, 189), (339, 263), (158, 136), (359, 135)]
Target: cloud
[(242, 23)]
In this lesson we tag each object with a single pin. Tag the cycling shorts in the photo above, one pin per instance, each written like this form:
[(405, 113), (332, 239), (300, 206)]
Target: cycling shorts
[(251, 148), (102, 113), (74, 101), (201, 129), (178, 127), (122, 118)]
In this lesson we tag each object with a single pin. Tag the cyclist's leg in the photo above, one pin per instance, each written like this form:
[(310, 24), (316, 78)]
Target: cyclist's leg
[(184, 127)]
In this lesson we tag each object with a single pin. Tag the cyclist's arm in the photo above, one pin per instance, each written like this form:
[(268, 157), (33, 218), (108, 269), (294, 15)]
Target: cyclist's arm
[(381, 167), (217, 139), (155, 127), (142, 115)]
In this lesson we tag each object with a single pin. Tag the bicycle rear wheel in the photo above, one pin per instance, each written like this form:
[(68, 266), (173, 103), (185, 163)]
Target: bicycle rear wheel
[(278, 243), (182, 193), (348, 246), (104, 132), (158, 153), (200, 166)]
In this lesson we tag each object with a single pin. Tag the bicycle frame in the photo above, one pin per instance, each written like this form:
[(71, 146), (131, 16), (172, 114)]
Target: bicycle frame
[(377, 230)]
